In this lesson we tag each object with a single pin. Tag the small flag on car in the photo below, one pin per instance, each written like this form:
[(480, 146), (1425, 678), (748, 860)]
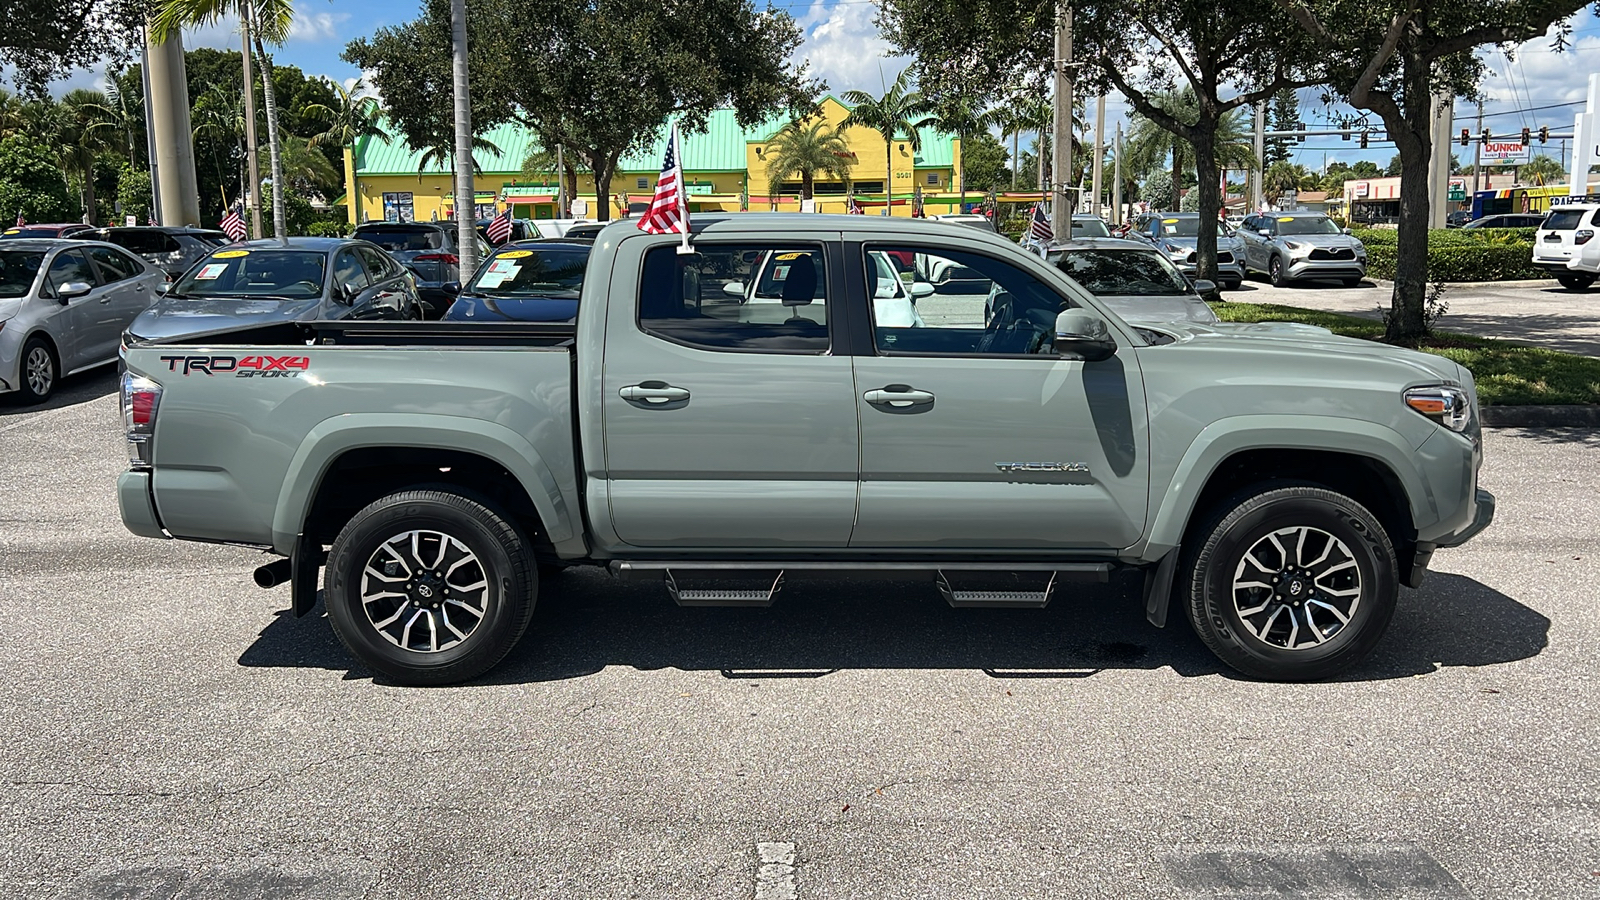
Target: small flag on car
[(21, 222), (233, 223), (499, 229), (669, 209), (855, 208)]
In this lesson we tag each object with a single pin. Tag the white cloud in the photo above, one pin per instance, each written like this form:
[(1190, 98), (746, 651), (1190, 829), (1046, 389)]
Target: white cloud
[(320, 26), (845, 49)]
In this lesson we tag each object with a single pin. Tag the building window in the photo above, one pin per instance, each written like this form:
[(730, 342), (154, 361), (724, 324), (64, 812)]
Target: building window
[(642, 184), (399, 207), (933, 177)]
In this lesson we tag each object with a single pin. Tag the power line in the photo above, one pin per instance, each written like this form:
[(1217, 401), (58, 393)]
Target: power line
[(1521, 110)]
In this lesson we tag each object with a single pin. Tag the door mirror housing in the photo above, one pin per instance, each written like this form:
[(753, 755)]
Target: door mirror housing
[(346, 294), (73, 289), (1265, 232), (163, 287), (920, 289), (734, 289), (1081, 334), (1206, 288)]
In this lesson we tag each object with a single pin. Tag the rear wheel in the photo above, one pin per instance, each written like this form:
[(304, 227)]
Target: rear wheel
[(1277, 272), (1291, 583), (430, 587), (1575, 281), (39, 370)]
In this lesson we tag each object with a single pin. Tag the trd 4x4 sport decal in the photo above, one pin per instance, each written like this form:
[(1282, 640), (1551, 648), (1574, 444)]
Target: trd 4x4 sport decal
[(245, 367)]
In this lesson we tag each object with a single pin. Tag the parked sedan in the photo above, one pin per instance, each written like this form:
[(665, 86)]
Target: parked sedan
[(528, 281), (1292, 246), (172, 250), (431, 250), (63, 306), (1178, 234), (302, 280), (1137, 281), (1509, 220), (52, 230)]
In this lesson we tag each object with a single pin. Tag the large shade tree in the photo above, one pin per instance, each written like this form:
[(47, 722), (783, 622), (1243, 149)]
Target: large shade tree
[(1149, 147), (43, 41), (1392, 57), (610, 75)]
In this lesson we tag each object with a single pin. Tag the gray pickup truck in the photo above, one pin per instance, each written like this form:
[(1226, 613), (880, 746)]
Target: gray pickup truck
[(1279, 482)]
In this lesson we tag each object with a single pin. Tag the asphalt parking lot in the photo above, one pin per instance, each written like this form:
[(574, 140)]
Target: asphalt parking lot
[(166, 731)]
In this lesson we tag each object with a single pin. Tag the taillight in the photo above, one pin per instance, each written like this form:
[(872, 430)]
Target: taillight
[(1582, 237), (141, 397), (450, 258)]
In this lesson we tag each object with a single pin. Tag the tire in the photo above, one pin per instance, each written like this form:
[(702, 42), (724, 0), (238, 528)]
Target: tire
[(1575, 282), (40, 370), (1351, 282), (1240, 617), (1233, 285), (461, 542), (1276, 273)]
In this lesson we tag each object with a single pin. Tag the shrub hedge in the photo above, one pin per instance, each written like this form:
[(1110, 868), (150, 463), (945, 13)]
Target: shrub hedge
[(1459, 254)]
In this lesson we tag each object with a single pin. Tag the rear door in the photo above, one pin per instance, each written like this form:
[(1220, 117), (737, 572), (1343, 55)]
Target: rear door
[(729, 415), (976, 435), (128, 292)]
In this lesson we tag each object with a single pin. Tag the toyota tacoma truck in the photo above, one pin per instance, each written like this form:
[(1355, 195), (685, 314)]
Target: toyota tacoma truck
[(1277, 483)]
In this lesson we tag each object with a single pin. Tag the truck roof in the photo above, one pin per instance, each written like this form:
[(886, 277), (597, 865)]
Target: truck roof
[(779, 224)]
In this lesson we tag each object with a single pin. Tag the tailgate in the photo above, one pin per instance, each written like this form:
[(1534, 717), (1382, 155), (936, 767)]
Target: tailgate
[(238, 427)]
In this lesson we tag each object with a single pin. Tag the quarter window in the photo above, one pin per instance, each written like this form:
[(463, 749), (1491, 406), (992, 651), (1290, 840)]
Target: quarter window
[(963, 304), (746, 297)]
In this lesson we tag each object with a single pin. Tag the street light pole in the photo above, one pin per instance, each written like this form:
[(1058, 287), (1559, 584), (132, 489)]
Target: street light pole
[(252, 148), (1061, 164)]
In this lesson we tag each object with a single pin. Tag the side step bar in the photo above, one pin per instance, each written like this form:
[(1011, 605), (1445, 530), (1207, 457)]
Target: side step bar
[(722, 594), (996, 599)]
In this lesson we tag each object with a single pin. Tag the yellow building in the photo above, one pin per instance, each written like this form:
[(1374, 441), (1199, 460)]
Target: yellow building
[(724, 171)]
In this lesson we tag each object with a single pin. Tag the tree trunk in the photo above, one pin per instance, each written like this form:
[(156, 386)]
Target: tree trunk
[(806, 180), (1205, 168), (273, 144), (602, 190), (571, 175), (466, 189), (888, 169), (1177, 176), (1015, 159), (1411, 250), (88, 194), (962, 140)]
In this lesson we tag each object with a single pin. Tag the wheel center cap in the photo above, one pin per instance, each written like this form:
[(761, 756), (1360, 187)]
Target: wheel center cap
[(425, 591), (1296, 588)]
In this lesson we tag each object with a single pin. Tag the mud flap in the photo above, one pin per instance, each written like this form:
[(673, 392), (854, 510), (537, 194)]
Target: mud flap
[(1158, 588), (305, 561)]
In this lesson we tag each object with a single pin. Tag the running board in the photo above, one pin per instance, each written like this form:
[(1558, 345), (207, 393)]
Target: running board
[(724, 594), (1007, 597)]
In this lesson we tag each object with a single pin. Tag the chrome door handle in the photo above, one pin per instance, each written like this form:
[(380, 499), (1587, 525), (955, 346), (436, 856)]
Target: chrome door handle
[(105, 299), (899, 396), (653, 392)]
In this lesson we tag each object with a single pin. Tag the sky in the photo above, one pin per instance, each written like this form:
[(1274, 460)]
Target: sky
[(845, 49)]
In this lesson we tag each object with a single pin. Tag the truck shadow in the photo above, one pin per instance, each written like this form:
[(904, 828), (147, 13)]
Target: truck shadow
[(586, 622), (71, 391)]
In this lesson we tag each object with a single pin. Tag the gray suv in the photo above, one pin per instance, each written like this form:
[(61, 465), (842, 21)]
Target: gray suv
[(1178, 234), (171, 249), (1294, 246)]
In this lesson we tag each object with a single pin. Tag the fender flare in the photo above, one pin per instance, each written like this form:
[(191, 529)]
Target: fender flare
[(335, 436), (1225, 437)]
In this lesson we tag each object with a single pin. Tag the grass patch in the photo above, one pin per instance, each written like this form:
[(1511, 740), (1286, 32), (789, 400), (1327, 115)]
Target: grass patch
[(1507, 374)]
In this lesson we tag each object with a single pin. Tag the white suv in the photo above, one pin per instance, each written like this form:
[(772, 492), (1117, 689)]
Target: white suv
[(1566, 246)]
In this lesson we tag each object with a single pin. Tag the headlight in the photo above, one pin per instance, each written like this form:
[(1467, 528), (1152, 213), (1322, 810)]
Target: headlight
[(1294, 245), (1443, 404)]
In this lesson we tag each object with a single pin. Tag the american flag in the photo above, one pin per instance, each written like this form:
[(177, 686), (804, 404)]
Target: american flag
[(1039, 224), (499, 227), (233, 223), (21, 222), (669, 209), (855, 208), (917, 212)]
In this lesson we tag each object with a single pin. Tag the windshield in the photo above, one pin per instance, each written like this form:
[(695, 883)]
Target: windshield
[(17, 271), (1306, 225), (1123, 273), (285, 274), (553, 272), (1189, 227), (401, 240), (1563, 220), (1090, 228)]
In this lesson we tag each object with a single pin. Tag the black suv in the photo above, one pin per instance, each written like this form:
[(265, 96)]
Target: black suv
[(171, 249), (431, 251)]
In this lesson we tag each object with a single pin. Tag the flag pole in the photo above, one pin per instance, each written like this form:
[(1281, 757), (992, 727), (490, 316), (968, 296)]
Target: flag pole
[(683, 192)]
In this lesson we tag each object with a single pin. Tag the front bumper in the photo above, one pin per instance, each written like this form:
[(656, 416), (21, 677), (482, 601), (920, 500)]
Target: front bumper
[(1482, 516), (138, 505), (1226, 271), (1327, 268)]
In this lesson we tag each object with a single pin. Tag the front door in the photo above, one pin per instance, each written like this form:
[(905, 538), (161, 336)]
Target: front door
[(975, 434), (729, 420), (92, 327)]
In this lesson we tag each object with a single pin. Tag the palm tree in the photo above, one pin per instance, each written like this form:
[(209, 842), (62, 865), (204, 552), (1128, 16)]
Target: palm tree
[(307, 169), (268, 21), (1032, 114), (219, 112), (444, 154), (1542, 169), (961, 116), (352, 118), (85, 131), (13, 117), (900, 110), (807, 151), (1148, 146), (1279, 179)]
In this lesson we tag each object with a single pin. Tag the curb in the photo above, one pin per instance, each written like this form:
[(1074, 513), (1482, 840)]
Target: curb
[(1541, 416), (1523, 283)]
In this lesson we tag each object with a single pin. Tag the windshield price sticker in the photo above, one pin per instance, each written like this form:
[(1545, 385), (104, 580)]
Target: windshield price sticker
[(503, 266), (211, 271), (514, 254), (230, 254)]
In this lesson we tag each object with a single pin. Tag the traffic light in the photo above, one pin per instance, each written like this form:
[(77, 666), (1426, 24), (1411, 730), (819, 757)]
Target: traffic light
[(1527, 134), (1486, 137), (1363, 140), (1544, 134), (1466, 137), (1344, 135)]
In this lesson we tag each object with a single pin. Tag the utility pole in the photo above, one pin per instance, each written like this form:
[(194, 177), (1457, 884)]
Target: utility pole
[(1439, 165), (1061, 158), (466, 192), (251, 146), (168, 98), (1477, 152), (1099, 149), (1116, 178), (1258, 175), (155, 171)]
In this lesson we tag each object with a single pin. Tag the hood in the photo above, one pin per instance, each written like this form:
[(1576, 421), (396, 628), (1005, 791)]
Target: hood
[(1291, 336), (173, 317), (1324, 241), (1154, 310)]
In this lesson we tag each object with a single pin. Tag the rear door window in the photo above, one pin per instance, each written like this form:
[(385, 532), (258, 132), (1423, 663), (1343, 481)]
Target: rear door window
[(404, 240), (741, 297), (379, 264), (347, 271), (114, 265)]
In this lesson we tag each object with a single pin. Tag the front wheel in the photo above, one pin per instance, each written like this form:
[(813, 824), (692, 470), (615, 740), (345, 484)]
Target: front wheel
[(1277, 272), (1575, 281), (1291, 583), (430, 587), (39, 371), (1351, 282)]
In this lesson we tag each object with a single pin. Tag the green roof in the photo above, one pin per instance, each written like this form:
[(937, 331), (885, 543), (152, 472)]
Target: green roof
[(720, 148)]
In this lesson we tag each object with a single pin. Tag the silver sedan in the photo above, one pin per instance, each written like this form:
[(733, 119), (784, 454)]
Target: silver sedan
[(63, 307)]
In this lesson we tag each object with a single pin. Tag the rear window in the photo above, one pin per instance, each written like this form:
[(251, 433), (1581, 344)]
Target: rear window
[(1563, 219), (403, 240)]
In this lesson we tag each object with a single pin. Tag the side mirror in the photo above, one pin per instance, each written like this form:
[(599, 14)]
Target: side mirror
[(1346, 230), (920, 289), (1265, 232), (163, 287), (73, 289), (734, 289), (1206, 288), (451, 287), (346, 294), (1081, 334)]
